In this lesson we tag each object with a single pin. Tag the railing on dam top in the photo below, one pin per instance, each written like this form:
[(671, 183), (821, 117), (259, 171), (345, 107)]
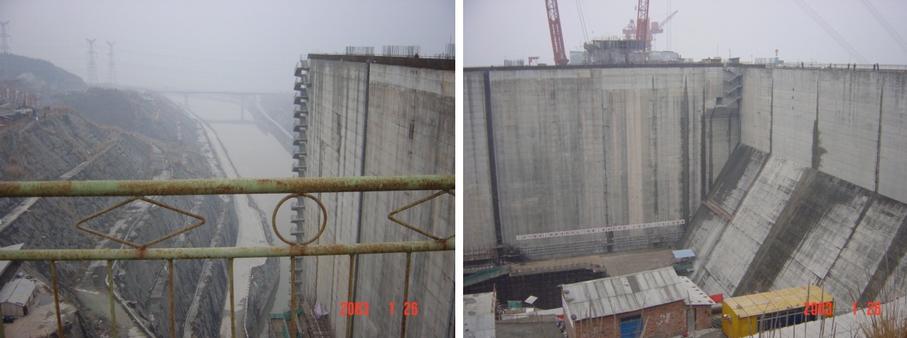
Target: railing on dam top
[(296, 187)]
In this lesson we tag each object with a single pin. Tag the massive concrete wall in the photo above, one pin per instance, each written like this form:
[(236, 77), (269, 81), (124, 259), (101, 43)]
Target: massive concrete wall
[(369, 118), (551, 149), (780, 224), (847, 123), (816, 191)]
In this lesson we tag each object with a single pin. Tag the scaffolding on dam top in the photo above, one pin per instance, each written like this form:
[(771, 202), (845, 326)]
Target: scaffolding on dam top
[(295, 187)]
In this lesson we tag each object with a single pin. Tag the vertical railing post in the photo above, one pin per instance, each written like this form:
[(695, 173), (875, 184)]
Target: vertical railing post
[(294, 302), (351, 288), (409, 259), (172, 311), (232, 301), (110, 299), (55, 286)]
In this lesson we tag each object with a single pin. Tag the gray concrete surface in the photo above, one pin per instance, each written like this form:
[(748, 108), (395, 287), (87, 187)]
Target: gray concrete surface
[(378, 119), (568, 149)]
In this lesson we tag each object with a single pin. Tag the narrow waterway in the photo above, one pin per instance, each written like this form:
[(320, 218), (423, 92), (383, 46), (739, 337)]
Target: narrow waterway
[(245, 150)]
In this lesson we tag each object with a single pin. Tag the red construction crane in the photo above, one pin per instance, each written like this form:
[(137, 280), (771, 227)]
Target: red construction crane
[(557, 37), (642, 22)]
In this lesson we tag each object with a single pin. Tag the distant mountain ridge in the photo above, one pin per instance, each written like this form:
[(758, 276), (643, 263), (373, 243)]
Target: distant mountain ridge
[(39, 75)]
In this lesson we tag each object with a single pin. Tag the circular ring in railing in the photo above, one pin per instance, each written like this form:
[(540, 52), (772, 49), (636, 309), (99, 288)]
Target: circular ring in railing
[(324, 218)]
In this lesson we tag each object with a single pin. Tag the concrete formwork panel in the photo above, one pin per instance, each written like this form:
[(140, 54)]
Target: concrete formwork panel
[(848, 133), (794, 114), (893, 152), (756, 109)]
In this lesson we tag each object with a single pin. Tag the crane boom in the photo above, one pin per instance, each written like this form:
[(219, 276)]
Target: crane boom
[(642, 22), (557, 37)]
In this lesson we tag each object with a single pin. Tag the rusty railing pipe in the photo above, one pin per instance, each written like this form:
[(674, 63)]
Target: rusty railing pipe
[(225, 252), (223, 186)]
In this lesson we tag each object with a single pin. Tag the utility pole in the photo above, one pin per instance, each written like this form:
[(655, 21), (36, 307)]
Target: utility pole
[(92, 68), (4, 37), (111, 66)]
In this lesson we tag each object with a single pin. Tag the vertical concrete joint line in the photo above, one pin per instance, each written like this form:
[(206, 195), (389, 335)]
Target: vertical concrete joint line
[(489, 130), (816, 148), (771, 113), (879, 139), (405, 293), (368, 77)]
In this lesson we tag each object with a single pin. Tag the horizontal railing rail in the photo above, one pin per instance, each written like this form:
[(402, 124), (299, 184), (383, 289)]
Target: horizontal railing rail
[(224, 186), (295, 186)]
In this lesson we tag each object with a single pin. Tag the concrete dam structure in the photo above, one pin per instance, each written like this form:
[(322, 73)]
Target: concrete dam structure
[(555, 157), (815, 192), (364, 115), (775, 177)]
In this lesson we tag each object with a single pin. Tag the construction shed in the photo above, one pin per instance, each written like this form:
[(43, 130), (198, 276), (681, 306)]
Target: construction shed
[(479, 315), (748, 315), (653, 303), (16, 297)]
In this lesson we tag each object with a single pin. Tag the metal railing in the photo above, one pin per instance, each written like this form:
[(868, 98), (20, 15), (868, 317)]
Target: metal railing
[(296, 187)]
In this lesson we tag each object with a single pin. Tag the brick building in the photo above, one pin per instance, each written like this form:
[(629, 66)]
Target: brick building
[(654, 303)]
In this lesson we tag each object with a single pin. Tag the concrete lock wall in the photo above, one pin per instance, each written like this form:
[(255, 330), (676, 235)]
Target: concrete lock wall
[(377, 119), (815, 192), (551, 149)]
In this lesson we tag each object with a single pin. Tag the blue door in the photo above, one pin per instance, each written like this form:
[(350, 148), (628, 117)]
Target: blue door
[(630, 327)]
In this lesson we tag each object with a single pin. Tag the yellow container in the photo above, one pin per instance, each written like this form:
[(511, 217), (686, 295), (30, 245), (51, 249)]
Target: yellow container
[(740, 315)]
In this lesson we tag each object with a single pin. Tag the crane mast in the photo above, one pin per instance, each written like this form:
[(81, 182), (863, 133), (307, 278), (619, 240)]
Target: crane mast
[(642, 22), (557, 37)]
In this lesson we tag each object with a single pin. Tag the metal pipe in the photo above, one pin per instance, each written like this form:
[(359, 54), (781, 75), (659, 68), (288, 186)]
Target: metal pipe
[(409, 260), (232, 301), (225, 252), (224, 186), (351, 289), (56, 287), (110, 299), (172, 314), (294, 303)]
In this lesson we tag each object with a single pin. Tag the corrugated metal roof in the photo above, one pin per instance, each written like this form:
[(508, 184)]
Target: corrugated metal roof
[(478, 316), (613, 295), (778, 300), (18, 291), (684, 253)]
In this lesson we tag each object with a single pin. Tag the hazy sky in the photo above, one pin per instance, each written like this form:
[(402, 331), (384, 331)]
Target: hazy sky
[(495, 30), (217, 45)]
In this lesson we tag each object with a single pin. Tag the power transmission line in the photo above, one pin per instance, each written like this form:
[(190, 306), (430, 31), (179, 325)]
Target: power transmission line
[(830, 31), (891, 31), (92, 67), (111, 66), (582, 20)]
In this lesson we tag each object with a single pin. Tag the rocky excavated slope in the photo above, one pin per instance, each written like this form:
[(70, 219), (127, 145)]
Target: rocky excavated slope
[(113, 134)]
